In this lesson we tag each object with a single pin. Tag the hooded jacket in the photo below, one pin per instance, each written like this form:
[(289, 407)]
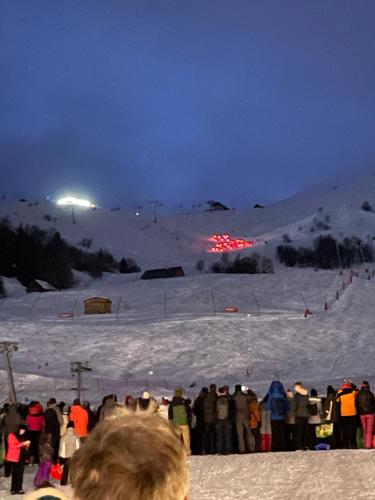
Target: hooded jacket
[(80, 418), (347, 396), (69, 443), (276, 401), (331, 409)]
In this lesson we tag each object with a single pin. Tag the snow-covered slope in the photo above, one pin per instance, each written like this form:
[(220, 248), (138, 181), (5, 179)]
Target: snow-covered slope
[(167, 332), (182, 238)]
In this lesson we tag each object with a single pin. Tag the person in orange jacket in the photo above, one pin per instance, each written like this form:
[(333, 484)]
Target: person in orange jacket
[(255, 419), (80, 417), (347, 397)]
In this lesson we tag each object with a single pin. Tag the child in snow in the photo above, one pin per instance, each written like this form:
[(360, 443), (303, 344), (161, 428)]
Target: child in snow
[(46, 457), (69, 444)]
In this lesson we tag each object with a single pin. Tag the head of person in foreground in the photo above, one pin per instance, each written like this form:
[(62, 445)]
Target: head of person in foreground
[(131, 457)]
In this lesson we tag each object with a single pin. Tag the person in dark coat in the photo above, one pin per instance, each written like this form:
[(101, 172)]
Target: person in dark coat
[(301, 413), (91, 414), (366, 409), (242, 404), (198, 432), (331, 415), (276, 402), (224, 421), (53, 424), (209, 415)]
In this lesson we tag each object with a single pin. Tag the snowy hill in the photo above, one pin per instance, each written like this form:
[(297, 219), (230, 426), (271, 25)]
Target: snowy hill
[(164, 333), (182, 239)]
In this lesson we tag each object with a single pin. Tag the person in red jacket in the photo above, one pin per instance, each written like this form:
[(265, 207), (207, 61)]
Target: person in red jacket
[(80, 418), (17, 450), (35, 422)]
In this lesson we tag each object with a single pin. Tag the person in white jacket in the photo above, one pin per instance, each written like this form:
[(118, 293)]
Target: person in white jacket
[(69, 444)]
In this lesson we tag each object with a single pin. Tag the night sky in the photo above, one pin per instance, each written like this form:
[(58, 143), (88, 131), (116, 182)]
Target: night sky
[(182, 100)]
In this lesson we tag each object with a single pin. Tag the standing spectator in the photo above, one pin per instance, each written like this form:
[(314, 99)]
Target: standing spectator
[(265, 428), (11, 424), (255, 419), (366, 409), (46, 453), (130, 404), (290, 422), (147, 403), (209, 415), (91, 415), (314, 419), (242, 420), (16, 455), (69, 444), (331, 415), (179, 414), (80, 417), (163, 410), (276, 402), (198, 411), (301, 403), (53, 423), (347, 396), (35, 423), (224, 421)]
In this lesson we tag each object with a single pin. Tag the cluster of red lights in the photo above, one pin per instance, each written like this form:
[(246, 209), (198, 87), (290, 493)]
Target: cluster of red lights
[(225, 243)]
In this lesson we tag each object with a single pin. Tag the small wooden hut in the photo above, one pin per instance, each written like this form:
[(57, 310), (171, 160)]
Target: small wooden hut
[(40, 286), (98, 305)]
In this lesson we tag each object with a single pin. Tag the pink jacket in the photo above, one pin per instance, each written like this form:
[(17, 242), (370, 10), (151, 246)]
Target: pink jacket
[(35, 422), (14, 448)]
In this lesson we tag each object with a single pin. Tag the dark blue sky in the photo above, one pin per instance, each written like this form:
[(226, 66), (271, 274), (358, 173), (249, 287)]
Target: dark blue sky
[(184, 101)]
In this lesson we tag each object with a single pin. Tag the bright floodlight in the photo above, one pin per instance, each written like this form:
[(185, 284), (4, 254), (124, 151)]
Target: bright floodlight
[(78, 202)]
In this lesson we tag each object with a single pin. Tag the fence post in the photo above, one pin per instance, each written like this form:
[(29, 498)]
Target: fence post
[(165, 304), (257, 302), (213, 301)]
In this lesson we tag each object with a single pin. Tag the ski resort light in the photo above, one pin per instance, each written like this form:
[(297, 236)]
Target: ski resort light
[(77, 202), (225, 243)]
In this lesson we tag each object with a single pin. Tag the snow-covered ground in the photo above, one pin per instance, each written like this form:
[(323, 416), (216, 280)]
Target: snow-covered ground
[(165, 333), (340, 474)]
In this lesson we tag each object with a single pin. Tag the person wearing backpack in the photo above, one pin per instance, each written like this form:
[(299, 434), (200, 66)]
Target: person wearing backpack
[(366, 409), (224, 421), (179, 413), (331, 415), (301, 402), (276, 402), (314, 409)]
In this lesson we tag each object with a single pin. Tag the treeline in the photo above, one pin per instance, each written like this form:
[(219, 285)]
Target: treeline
[(326, 253), (29, 252), (255, 264)]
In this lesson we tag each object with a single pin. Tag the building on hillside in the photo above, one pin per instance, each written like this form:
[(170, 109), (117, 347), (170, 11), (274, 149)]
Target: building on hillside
[(40, 286), (98, 305), (167, 272), (215, 205)]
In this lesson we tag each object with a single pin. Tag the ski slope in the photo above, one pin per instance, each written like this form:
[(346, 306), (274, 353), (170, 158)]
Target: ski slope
[(168, 333)]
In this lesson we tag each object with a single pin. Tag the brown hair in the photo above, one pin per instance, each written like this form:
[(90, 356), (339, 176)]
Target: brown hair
[(133, 457)]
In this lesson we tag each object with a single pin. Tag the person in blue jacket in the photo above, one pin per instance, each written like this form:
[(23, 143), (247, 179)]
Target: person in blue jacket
[(276, 402)]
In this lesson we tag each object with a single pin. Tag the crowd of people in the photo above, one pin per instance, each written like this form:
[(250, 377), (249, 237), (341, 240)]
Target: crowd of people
[(216, 422)]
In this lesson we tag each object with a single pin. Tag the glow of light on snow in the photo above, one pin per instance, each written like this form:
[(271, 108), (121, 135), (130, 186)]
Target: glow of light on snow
[(72, 200), (225, 243)]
